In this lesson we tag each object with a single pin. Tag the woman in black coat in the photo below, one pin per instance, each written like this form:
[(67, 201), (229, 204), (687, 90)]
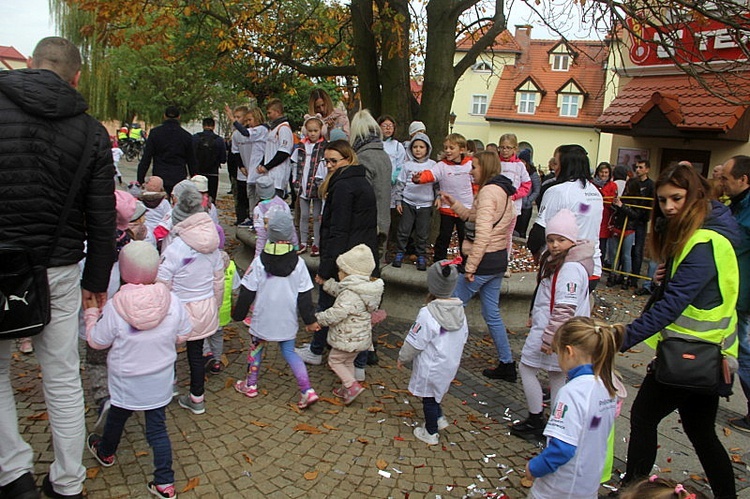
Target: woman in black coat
[(349, 218)]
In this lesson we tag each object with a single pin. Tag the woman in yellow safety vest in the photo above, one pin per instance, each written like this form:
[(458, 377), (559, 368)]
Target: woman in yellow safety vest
[(696, 299)]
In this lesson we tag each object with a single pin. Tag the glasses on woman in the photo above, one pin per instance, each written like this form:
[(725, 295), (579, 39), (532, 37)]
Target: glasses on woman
[(333, 161)]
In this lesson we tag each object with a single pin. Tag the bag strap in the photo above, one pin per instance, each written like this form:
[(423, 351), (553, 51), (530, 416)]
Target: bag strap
[(554, 285), (74, 187)]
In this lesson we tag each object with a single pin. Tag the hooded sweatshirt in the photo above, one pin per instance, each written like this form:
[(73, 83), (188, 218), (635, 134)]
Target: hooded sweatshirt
[(437, 338), (193, 268), (559, 297), (417, 195), (357, 297), (142, 324)]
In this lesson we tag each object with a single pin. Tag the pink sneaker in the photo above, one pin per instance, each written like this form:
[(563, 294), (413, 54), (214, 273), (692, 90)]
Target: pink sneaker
[(314, 251), (340, 392), (352, 393), (249, 391), (307, 399)]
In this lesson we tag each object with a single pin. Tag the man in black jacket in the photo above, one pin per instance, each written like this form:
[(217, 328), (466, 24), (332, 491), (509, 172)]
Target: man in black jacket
[(210, 153), (45, 132), (171, 148)]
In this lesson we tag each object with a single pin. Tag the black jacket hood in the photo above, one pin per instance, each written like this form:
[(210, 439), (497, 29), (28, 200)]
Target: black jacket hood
[(40, 92), (504, 182)]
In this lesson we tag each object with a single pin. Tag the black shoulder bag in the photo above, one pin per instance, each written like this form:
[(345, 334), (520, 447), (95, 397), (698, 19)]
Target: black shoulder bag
[(24, 288)]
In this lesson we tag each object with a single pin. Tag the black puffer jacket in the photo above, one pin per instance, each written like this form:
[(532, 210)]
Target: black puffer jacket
[(350, 217), (171, 148), (43, 127)]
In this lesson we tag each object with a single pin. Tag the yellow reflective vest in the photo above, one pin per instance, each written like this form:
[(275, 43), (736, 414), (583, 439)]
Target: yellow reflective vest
[(225, 311), (122, 135), (136, 133), (719, 324)]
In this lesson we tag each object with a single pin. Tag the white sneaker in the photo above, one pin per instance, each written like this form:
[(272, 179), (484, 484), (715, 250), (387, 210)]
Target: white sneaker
[(307, 356), (425, 437), (443, 423), (359, 373)]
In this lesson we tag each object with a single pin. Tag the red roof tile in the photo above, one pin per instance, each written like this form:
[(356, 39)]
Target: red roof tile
[(684, 102), (11, 53), (504, 42), (586, 70)]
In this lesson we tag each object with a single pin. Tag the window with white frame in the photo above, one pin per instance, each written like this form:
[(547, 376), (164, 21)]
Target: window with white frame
[(560, 62), (527, 102), (482, 67), (569, 104), (479, 104)]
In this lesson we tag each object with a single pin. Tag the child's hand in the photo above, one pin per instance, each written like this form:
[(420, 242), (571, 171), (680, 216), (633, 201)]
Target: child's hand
[(400, 209), (447, 198), (89, 301), (319, 280), (528, 322), (311, 328), (528, 478), (415, 177)]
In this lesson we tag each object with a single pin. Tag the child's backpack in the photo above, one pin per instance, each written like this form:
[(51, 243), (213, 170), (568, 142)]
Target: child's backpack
[(204, 150)]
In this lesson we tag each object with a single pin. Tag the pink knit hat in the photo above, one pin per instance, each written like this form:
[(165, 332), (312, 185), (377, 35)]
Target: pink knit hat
[(139, 263), (563, 224), (125, 207)]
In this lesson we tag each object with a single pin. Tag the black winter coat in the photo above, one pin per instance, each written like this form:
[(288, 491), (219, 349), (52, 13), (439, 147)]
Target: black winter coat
[(350, 217), (171, 148), (43, 130)]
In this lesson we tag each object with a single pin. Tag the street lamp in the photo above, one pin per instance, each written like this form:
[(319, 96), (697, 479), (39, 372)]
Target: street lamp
[(451, 120)]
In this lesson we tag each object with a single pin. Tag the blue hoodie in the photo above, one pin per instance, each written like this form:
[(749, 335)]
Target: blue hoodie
[(695, 282)]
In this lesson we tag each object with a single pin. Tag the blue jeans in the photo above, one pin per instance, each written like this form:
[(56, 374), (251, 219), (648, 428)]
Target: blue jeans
[(432, 412), (156, 435), (488, 287), (320, 338), (625, 259), (743, 358)]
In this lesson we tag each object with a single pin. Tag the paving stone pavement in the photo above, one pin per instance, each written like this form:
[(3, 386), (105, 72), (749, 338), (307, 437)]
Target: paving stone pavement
[(249, 447)]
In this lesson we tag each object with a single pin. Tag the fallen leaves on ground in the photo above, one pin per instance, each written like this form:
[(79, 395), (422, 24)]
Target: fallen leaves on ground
[(405, 414), (332, 401), (229, 382), (141, 453), (363, 440), (259, 424), (331, 411), (727, 431), (375, 409), (295, 408), (92, 472), (191, 484), (311, 475), (381, 464), (247, 457), (329, 427), (312, 430), (39, 416), (399, 390)]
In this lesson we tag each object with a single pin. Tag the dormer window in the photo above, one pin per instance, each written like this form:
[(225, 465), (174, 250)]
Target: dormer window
[(560, 57), (482, 67), (528, 97), (570, 99)]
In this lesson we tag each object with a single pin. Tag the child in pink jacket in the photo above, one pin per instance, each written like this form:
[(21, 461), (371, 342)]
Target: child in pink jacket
[(192, 267), (141, 325)]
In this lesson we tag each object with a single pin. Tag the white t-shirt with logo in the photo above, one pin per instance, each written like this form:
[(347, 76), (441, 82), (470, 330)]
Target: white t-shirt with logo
[(588, 206), (582, 415), (275, 311), (280, 138)]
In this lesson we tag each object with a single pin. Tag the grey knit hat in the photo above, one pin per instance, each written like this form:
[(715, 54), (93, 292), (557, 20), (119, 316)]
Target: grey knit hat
[(442, 279), (280, 225), (189, 202), (264, 187)]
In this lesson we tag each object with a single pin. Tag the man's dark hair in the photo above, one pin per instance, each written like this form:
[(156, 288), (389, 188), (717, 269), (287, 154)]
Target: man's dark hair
[(643, 162), (209, 123), (172, 112), (58, 55), (741, 166)]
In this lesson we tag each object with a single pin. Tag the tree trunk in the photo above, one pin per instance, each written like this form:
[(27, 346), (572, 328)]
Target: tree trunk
[(365, 55), (439, 80), (394, 71)]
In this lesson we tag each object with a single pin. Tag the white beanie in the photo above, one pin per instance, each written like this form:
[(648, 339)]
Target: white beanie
[(563, 224), (416, 126), (357, 261), (138, 262)]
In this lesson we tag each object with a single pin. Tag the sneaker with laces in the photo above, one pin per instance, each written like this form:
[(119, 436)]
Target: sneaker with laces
[(530, 427), (242, 387), (742, 424), (186, 402), (422, 434), (166, 490), (398, 260), (92, 442), (246, 223), (352, 393), (421, 263), (307, 399), (340, 392), (314, 250), (307, 356), (102, 419), (359, 373)]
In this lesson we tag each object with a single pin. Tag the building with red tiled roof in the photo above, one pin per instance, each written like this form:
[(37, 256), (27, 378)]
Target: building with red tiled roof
[(547, 92), (666, 115), (10, 58)]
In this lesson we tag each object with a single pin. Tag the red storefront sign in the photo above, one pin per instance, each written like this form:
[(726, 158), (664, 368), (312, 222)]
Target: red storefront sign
[(699, 41)]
